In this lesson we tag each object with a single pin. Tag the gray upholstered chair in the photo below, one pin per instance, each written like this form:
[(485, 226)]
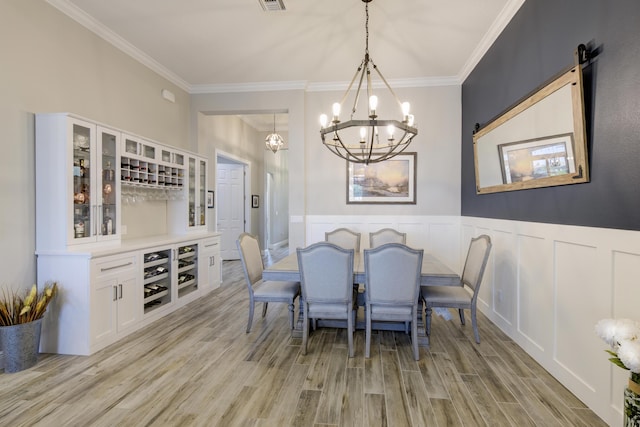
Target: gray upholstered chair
[(259, 290), (464, 296), (326, 278), (392, 288), (344, 238), (386, 235)]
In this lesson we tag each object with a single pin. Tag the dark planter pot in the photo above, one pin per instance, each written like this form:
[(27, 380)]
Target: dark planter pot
[(20, 345)]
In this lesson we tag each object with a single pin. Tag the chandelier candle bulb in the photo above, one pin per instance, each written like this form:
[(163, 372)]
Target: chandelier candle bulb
[(363, 135), (336, 112), (323, 120), (390, 130), (373, 105)]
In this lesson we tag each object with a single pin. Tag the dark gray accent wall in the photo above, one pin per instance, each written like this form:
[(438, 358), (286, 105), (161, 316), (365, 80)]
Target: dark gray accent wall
[(536, 45)]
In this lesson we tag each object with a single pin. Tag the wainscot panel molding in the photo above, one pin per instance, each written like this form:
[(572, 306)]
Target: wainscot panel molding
[(439, 235), (547, 285)]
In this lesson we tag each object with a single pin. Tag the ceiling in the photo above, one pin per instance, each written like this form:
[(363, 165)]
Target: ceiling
[(207, 46)]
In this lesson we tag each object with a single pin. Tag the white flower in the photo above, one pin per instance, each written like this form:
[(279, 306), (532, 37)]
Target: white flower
[(614, 331), (629, 355)]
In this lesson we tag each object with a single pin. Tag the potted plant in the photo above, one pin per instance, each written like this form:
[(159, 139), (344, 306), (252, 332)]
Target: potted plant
[(623, 335), (20, 325)]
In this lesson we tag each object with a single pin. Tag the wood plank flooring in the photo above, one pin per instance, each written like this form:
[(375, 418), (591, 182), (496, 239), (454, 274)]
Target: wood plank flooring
[(198, 367)]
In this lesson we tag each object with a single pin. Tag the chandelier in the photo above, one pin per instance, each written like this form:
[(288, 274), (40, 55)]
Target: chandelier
[(357, 140), (274, 141)]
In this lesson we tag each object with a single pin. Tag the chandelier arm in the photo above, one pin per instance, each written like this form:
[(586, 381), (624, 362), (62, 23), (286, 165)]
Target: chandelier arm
[(344, 147), (344, 97), (364, 69), (375, 67)]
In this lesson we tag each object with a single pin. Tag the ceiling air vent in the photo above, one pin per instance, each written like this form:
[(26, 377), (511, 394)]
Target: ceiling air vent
[(272, 5)]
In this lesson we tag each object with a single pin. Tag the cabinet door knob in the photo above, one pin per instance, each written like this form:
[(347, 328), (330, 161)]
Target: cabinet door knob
[(120, 289), (115, 293)]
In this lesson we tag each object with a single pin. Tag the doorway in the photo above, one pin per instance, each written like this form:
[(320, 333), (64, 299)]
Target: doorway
[(231, 217)]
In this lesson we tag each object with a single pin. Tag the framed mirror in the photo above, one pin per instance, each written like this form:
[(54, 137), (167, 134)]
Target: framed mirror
[(540, 142)]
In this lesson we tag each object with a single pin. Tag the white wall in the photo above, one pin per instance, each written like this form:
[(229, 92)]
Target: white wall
[(52, 64)]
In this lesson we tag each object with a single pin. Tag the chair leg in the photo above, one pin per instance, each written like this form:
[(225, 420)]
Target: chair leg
[(474, 323), (367, 345), (291, 308), (264, 309), (414, 335), (406, 328), (427, 328), (251, 307), (305, 328), (350, 332), (461, 313)]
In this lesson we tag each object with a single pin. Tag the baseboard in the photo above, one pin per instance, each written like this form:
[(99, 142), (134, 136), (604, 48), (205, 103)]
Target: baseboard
[(279, 244)]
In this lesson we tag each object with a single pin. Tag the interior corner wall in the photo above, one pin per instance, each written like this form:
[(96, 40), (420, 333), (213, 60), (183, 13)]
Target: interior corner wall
[(50, 63), (537, 44)]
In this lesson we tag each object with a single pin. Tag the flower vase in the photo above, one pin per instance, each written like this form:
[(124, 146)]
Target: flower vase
[(632, 405), (20, 344)]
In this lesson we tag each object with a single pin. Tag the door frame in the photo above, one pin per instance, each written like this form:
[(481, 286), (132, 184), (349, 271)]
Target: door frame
[(231, 158)]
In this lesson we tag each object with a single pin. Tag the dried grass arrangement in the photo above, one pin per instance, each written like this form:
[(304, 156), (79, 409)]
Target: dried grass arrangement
[(24, 308)]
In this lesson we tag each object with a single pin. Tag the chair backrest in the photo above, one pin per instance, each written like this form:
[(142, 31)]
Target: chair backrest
[(392, 274), (251, 258), (386, 235), (476, 262), (344, 238), (326, 273)]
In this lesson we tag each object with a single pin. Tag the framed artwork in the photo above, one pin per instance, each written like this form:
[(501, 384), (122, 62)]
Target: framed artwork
[(255, 201), (209, 199), (537, 158), (392, 181)]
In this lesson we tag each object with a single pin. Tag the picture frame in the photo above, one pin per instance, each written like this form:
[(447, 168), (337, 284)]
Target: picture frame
[(392, 181), (538, 158), (255, 201), (210, 198)]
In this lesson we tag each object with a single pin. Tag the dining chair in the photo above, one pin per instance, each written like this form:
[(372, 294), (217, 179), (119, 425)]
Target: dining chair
[(344, 238), (386, 235), (326, 279), (464, 296), (260, 290), (392, 288)]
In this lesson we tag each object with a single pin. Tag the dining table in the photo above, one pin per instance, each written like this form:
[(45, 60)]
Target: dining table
[(434, 273)]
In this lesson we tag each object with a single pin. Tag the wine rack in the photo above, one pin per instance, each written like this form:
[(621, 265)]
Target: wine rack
[(141, 165), (187, 269), (157, 279)]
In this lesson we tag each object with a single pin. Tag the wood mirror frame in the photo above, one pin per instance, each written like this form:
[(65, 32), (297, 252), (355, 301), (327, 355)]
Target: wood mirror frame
[(540, 142)]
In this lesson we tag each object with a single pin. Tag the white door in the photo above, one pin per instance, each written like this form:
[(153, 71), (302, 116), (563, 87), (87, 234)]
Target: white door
[(230, 207)]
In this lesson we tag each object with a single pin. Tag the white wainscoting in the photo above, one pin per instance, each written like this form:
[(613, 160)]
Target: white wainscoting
[(545, 286), (435, 234)]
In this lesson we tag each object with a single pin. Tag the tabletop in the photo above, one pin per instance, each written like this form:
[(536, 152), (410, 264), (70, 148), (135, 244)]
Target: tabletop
[(434, 272)]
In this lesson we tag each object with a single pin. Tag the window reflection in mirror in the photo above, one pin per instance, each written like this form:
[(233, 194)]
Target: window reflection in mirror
[(538, 143)]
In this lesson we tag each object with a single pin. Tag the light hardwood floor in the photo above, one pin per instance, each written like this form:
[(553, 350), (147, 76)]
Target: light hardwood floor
[(197, 367)]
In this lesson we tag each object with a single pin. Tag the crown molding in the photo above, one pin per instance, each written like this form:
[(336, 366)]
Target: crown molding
[(87, 21), (394, 83), (502, 20), (248, 87)]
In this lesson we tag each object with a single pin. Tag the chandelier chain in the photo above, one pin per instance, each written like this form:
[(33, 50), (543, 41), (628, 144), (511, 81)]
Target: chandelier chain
[(366, 27)]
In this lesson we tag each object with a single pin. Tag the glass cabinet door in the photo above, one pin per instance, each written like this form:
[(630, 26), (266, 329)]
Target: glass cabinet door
[(202, 191), (192, 192), (82, 191), (108, 182)]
